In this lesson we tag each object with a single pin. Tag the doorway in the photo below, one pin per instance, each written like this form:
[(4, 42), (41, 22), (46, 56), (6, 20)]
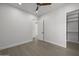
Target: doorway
[(41, 30)]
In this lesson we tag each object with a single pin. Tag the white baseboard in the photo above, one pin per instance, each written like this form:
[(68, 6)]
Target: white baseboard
[(13, 45), (73, 42), (56, 44)]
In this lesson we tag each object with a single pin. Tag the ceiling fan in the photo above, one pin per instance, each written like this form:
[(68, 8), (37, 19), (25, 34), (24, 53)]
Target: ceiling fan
[(41, 4)]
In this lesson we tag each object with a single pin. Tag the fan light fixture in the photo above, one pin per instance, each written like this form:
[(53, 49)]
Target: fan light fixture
[(36, 11), (20, 3)]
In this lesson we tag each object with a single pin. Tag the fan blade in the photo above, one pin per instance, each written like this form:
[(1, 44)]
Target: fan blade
[(43, 4)]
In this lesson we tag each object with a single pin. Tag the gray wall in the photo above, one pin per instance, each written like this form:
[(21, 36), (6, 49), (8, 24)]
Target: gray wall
[(15, 26), (55, 24)]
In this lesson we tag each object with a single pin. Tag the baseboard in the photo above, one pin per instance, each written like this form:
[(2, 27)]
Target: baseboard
[(55, 44), (13, 45), (73, 42)]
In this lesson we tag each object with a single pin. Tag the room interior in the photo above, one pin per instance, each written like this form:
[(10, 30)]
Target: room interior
[(39, 29)]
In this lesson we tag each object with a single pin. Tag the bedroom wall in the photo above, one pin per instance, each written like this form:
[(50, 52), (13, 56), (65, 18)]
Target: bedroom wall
[(15, 26), (55, 24)]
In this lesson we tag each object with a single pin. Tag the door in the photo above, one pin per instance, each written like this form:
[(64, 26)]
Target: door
[(41, 30)]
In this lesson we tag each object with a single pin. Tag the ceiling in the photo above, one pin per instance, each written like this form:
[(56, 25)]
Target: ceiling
[(31, 7)]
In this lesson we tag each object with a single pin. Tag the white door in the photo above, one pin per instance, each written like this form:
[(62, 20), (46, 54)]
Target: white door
[(41, 30)]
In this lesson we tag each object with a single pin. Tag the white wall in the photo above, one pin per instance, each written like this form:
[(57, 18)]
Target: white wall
[(15, 26), (55, 24)]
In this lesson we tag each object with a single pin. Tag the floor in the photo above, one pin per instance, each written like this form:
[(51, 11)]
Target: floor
[(41, 48)]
